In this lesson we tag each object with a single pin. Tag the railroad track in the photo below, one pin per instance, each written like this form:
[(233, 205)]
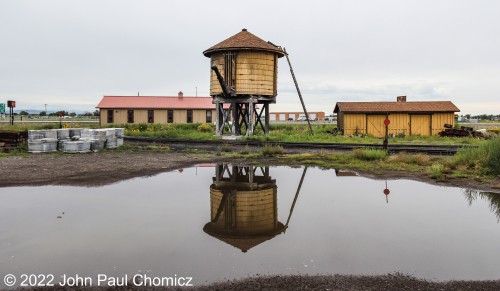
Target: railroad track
[(393, 148)]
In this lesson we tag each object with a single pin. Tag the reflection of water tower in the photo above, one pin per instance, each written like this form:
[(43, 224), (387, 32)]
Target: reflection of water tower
[(244, 74), (243, 206)]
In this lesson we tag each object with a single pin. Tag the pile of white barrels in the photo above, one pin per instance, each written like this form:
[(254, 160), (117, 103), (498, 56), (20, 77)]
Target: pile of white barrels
[(74, 140)]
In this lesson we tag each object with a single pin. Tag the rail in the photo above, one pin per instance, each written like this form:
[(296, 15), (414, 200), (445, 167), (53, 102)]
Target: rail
[(393, 148)]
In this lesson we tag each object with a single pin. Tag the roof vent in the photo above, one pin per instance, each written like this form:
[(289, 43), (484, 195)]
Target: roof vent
[(244, 29), (401, 99), (180, 94)]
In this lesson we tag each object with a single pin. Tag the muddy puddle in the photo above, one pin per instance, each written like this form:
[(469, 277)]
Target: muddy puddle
[(222, 221)]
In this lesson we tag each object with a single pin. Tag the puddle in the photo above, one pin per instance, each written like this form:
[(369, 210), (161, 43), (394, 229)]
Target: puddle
[(215, 222)]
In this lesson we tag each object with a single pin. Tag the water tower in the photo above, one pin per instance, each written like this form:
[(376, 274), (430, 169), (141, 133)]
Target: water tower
[(244, 74)]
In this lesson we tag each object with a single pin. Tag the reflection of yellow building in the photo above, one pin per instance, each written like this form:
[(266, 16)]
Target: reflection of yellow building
[(243, 206)]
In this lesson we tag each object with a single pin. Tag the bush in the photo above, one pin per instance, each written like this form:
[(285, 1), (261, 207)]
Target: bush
[(205, 127), (370, 154)]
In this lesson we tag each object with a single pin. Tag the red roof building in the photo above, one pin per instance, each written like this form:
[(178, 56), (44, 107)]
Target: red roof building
[(156, 109)]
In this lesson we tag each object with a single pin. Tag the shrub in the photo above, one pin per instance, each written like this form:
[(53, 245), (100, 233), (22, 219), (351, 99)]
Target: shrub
[(369, 154), (205, 127)]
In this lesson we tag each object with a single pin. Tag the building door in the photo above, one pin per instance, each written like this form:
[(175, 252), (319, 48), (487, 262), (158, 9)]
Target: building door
[(375, 125), (420, 125)]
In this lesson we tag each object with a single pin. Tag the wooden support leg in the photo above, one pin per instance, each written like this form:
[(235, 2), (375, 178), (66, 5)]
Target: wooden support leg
[(250, 119), (236, 120), (266, 117)]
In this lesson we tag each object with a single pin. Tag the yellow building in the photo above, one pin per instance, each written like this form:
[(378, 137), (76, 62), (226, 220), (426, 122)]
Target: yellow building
[(156, 109), (408, 118)]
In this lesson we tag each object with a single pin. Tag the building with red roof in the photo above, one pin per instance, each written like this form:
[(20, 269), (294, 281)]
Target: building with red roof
[(156, 109)]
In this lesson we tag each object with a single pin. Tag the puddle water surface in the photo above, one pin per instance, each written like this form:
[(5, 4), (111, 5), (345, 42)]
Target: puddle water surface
[(217, 222)]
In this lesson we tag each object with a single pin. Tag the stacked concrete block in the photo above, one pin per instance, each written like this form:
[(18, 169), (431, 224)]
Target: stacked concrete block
[(76, 146), (74, 140), (42, 141)]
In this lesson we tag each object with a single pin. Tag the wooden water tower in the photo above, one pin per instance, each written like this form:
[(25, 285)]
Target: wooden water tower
[(244, 74)]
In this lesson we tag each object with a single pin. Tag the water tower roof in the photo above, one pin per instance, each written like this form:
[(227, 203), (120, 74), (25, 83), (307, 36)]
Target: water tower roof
[(244, 40)]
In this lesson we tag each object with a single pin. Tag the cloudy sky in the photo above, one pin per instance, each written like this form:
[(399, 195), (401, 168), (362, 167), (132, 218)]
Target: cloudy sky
[(68, 53)]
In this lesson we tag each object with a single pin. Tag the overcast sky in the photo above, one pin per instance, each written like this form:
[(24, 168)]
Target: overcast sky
[(68, 54)]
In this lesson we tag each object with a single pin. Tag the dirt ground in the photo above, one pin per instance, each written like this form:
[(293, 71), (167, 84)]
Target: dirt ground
[(106, 167)]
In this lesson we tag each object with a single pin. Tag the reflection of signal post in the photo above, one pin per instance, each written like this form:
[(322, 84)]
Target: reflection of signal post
[(386, 192), (11, 104)]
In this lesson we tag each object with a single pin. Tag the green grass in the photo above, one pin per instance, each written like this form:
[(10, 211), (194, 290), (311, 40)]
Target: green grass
[(170, 130), (485, 158), (272, 150), (370, 154)]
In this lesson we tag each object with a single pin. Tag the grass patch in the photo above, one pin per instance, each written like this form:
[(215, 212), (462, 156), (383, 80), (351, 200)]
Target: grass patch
[(272, 150), (370, 154), (436, 171), (417, 159), (485, 158)]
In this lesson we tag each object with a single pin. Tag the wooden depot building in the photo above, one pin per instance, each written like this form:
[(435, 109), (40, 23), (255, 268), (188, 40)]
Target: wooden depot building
[(408, 118), (156, 109)]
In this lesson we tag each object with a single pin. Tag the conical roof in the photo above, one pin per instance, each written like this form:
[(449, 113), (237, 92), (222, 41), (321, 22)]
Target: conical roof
[(244, 40), (244, 242)]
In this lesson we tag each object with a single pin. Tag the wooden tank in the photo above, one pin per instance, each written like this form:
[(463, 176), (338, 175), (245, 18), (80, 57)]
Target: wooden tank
[(243, 208), (248, 64)]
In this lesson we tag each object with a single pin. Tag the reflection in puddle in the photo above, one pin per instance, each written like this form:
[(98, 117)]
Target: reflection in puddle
[(243, 206), (492, 198), (230, 221)]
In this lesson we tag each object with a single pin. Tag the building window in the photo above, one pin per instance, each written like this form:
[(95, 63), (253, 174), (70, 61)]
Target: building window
[(209, 116), (170, 116), (130, 116), (111, 118), (189, 116), (151, 116)]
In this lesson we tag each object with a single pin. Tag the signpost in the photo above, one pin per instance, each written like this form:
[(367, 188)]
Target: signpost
[(11, 104), (386, 122)]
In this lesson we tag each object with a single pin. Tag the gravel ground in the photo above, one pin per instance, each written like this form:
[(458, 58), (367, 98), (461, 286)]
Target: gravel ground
[(323, 282)]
